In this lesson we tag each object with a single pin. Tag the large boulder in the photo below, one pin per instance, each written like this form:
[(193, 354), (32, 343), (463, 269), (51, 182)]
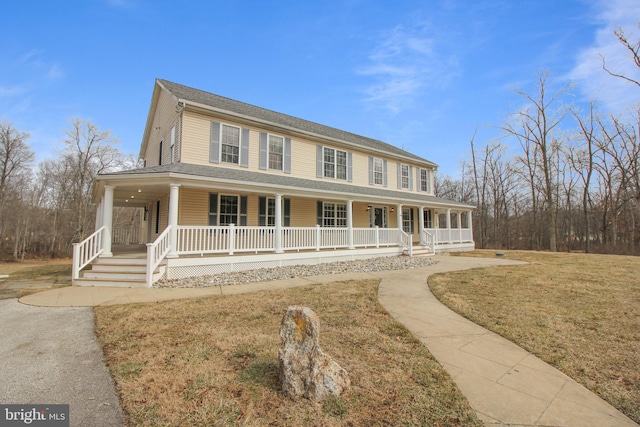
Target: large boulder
[(305, 371)]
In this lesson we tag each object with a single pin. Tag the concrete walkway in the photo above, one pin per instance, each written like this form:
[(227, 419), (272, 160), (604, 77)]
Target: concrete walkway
[(504, 384)]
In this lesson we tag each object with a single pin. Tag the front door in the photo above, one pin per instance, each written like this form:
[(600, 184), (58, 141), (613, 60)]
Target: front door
[(378, 217)]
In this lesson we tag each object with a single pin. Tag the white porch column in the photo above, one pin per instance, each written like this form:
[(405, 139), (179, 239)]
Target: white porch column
[(470, 224), (399, 220), (449, 224), (107, 220), (278, 230), (350, 244), (421, 225), (174, 193)]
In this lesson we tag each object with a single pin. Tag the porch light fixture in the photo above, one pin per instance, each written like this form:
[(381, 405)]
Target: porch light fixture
[(139, 191), (392, 210), (369, 207)]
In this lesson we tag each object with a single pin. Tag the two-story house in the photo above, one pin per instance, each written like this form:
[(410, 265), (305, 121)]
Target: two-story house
[(230, 186)]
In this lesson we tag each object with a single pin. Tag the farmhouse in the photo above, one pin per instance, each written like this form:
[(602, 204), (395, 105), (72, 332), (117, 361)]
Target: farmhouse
[(228, 186)]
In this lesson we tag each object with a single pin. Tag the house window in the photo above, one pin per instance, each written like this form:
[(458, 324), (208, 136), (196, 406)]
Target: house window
[(276, 152), (425, 180), (335, 163), (157, 217), (160, 154), (334, 215), (227, 209), (426, 218), (407, 220), (378, 171), (271, 212), (405, 177), (230, 144)]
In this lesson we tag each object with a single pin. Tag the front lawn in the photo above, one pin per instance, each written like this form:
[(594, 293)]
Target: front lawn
[(578, 312)]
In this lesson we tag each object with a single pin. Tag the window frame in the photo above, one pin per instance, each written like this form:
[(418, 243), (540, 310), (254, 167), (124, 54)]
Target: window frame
[(235, 148), (378, 175), (334, 215), (405, 179), (425, 180), (337, 169), (270, 152)]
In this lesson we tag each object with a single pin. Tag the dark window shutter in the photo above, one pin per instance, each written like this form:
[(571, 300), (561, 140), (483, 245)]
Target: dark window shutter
[(399, 175), (287, 155), (263, 150), (371, 171), (214, 148), (319, 213), (262, 211), (160, 154), (350, 167), (287, 212), (213, 209), (243, 211), (319, 162), (244, 147)]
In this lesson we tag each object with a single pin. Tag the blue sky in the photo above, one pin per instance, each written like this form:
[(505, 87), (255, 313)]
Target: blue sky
[(421, 75)]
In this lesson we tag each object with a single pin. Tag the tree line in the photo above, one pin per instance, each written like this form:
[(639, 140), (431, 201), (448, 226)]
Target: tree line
[(560, 177), (44, 208)]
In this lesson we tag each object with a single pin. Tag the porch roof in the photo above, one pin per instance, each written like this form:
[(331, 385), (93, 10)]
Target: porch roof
[(155, 181)]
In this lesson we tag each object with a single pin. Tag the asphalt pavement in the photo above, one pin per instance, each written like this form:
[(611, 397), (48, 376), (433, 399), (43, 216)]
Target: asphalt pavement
[(51, 356)]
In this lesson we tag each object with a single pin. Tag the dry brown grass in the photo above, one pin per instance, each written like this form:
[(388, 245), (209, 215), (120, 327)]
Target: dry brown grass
[(578, 312), (213, 361)]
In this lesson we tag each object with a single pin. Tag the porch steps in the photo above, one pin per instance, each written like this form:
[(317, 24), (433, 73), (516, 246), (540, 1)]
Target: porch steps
[(422, 251), (127, 272)]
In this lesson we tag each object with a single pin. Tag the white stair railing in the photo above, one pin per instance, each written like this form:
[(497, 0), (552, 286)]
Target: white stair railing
[(430, 242), (86, 251), (405, 241), (156, 252)]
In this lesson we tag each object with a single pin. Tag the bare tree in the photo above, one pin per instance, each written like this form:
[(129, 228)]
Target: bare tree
[(633, 47), (535, 126)]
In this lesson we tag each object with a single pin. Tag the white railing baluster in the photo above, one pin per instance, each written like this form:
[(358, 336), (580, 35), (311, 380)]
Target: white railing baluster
[(86, 251)]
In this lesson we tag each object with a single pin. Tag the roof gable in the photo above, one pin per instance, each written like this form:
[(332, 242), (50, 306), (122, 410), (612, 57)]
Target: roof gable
[(216, 102)]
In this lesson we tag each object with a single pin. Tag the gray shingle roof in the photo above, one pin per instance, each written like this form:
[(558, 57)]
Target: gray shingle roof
[(186, 93), (277, 181)]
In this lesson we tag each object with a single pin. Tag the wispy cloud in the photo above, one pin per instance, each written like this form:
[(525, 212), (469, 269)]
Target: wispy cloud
[(614, 93), (403, 63)]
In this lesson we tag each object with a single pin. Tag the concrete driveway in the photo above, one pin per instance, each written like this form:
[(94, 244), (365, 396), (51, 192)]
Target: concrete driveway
[(51, 356)]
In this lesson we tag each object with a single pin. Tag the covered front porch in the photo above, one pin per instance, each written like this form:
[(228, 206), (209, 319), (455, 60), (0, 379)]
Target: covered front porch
[(193, 226)]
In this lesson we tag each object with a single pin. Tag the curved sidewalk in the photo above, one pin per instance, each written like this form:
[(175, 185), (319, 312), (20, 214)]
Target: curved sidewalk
[(503, 383)]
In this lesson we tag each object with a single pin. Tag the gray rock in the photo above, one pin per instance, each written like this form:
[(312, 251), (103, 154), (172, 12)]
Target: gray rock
[(305, 371)]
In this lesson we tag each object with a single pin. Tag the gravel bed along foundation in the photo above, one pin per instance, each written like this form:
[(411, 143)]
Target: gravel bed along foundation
[(278, 273)]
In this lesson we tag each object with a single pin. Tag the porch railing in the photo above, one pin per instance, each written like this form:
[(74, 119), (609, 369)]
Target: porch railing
[(156, 252), (230, 239), (86, 251), (452, 235)]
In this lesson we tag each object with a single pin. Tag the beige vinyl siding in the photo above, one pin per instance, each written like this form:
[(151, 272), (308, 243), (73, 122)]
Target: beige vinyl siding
[(194, 207), (195, 143), (165, 118)]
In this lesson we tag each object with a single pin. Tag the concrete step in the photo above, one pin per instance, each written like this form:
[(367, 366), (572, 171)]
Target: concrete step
[(93, 274), (121, 261), (120, 283), (120, 268)]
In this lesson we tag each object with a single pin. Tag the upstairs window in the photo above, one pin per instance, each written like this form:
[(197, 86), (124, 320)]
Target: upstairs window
[(172, 144), (276, 152), (160, 153), (378, 171), (230, 144), (425, 180), (333, 163), (404, 177)]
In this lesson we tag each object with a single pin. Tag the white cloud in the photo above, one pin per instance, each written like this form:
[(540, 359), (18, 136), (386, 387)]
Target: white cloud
[(615, 93), (404, 63)]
